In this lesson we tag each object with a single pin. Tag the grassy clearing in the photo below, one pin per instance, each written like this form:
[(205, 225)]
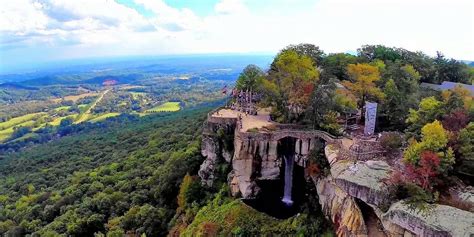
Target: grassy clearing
[(19, 120), (83, 118), (104, 117), (86, 115), (128, 87), (62, 108), (166, 107), (75, 98), (139, 113), (57, 121), (6, 133), (136, 95)]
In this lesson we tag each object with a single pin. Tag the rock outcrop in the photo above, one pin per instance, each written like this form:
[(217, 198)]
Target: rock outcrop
[(216, 146), (361, 181), (440, 220), (352, 188), (340, 208)]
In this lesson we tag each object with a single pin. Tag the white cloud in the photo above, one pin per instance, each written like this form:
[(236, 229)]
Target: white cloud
[(230, 7), (85, 28), (21, 16), (169, 18)]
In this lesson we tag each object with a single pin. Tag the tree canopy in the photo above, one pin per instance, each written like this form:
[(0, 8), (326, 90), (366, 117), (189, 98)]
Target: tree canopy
[(292, 82), (250, 78), (362, 83)]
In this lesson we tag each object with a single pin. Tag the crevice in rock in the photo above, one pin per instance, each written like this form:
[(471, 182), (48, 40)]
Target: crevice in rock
[(372, 222)]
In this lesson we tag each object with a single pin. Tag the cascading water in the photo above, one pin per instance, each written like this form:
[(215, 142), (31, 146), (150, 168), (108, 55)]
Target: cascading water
[(288, 180)]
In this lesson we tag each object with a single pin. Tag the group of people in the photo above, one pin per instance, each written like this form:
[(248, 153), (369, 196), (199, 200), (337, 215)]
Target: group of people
[(244, 101)]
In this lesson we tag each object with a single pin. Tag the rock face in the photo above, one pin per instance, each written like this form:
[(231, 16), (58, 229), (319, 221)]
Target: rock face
[(341, 209), (441, 220), (346, 195), (253, 155), (256, 156), (361, 181), (215, 146)]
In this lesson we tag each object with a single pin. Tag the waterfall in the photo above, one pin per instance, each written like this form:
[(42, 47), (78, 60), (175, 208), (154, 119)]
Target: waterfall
[(288, 180)]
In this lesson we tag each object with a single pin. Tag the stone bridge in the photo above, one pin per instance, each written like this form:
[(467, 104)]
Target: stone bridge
[(304, 135), (254, 154)]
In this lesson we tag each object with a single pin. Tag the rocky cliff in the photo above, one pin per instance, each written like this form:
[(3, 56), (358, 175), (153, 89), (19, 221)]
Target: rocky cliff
[(352, 185), (353, 196)]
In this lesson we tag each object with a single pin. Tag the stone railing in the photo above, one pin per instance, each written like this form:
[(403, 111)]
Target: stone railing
[(276, 135), (365, 149)]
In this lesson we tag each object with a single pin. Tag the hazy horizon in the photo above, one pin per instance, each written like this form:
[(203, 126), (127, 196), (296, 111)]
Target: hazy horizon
[(55, 30)]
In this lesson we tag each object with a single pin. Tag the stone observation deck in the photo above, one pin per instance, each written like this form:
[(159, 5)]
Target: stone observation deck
[(262, 119), (249, 125)]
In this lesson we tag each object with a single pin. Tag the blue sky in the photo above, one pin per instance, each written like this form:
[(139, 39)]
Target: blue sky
[(37, 31)]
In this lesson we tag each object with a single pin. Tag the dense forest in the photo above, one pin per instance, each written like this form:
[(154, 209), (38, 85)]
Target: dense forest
[(123, 177)]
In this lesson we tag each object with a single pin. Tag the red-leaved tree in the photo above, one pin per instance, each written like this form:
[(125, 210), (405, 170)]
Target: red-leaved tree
[(456, 120), (425, 173)]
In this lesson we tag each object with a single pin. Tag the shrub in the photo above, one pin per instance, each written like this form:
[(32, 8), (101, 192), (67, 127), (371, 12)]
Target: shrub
[(417, 182), (318, 164), (330, 123), (456, 120), (466, 150), (418, 198), (391, 141)]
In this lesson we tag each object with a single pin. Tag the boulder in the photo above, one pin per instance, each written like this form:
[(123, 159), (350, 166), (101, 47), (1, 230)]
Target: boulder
[(438, 220)]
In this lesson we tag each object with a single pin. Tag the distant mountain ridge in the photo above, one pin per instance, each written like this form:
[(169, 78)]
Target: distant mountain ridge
[(11, 85)]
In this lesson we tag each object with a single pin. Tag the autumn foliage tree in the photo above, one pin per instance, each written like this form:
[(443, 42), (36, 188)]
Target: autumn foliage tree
[(362, 83), (424, 173), (429, 109), (434, 139), (456, 120), (291, 84)]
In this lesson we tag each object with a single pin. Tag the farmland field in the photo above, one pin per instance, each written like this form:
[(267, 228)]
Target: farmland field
[(62, 108), (75, 98), (18, 120), (166, 107), (7, 132), (57, 121)]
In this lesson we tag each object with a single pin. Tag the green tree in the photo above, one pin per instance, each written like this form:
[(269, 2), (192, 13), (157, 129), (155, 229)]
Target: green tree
[(429, 110), (335, 66), (310, 50), (393, 104), (449, 70), (466, 150), (250, 78), (373, 52)]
